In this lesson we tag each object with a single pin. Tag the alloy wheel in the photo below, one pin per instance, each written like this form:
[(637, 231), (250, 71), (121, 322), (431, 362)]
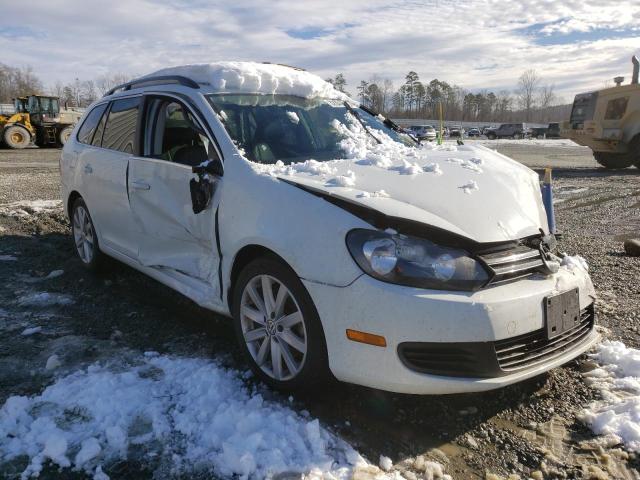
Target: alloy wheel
[(273, 327), (83, 234)]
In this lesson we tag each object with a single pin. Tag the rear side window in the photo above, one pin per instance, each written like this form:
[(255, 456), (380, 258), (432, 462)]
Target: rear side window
[(120, 131), (88, 128), (616, 108)]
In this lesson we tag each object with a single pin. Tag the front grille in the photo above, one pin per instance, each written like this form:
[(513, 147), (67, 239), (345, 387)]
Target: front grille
[(513, 263), (533, 348), (493, 359)]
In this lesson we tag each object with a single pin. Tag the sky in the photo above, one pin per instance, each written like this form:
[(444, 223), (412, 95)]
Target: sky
[(576, 45)]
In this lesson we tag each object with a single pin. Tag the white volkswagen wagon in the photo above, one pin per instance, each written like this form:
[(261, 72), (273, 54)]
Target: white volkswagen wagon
[(337, 244)]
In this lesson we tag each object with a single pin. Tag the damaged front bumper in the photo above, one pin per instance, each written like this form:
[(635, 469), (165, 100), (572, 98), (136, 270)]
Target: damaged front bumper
[(474, 332)]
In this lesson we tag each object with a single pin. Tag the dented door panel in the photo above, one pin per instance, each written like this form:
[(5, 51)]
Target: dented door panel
[(170, 234)]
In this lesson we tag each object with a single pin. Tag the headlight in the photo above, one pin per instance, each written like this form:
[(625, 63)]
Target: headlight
[(414, 261)]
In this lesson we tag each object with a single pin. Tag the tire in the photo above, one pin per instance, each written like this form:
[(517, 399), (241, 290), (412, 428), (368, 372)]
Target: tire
[(64, 135), (17, 137), (613, 161), (287, 326), (84, 236), (491, 136), (634, 150)]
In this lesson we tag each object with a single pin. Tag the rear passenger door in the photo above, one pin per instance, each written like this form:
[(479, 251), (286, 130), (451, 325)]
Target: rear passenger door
[(171, 236), (104, 168)]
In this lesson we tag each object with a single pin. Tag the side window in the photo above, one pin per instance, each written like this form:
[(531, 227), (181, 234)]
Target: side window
[(97, 137), (120, 130), (616, 108), (88, 128), (173, 134)]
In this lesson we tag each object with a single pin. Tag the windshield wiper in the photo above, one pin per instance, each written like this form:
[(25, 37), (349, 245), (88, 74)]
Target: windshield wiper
[(390, 123), (352, 111)]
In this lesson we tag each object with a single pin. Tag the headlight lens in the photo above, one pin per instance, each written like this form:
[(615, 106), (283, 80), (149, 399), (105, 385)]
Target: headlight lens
[(414, 261)]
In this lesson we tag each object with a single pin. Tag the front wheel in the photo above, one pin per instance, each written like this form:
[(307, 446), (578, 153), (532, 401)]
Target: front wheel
[(613, 161), (17, 137), (278, 327), (491, 136)]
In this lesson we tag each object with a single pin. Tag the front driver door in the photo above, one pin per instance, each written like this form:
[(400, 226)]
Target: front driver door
[(171, 237)]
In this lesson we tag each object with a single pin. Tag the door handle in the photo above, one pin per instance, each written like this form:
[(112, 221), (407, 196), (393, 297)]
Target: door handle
[(88, 169), (140, 185)]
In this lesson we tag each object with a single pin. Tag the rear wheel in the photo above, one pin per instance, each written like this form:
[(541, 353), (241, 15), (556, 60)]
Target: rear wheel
[(613, 161), (278, 326), (84, 236), (64, 135), (17, 137)]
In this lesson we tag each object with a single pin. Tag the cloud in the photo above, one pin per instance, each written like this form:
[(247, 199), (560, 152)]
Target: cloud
[(476, 44)]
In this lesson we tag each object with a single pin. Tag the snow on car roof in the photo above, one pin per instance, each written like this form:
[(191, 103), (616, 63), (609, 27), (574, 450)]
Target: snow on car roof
[(253, 77)]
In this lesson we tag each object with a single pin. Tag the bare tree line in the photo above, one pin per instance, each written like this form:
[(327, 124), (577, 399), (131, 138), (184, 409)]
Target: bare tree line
[(530, 101), (16, 82)]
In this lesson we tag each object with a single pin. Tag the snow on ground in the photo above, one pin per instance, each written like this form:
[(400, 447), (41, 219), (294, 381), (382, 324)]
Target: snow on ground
[(250, 77), (44, 299), (189, 415), (617, 414), (25, 208), (8, 258), (546, 142)]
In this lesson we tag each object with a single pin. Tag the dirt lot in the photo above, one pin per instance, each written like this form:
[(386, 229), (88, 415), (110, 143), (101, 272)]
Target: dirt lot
[(517, 430)]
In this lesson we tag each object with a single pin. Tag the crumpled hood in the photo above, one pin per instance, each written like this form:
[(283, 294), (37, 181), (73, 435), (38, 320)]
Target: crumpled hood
[(468, 190)]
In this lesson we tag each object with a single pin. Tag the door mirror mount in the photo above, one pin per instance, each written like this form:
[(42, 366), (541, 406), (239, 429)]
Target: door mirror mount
[(211, 167)]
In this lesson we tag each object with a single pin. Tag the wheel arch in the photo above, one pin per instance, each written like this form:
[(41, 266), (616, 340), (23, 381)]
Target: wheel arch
[(73, 196), (244, 257)]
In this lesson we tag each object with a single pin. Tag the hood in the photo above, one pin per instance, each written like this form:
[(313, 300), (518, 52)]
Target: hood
[(470, 191)]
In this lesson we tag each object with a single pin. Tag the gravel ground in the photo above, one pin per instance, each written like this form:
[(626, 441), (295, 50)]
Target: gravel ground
[(521, 430)]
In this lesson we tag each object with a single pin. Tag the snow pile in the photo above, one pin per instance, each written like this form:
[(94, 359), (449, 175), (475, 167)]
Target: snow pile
[(547, 142), (250, 77), (470, 164), (187, 415), (358, 145), (617, 378), (432, 168), (573, 263), (44, 299), (8, 258), (31, 331), (311, 167), (469, 187), (409, 168), (348, 180), (293, 116), (26, 208)]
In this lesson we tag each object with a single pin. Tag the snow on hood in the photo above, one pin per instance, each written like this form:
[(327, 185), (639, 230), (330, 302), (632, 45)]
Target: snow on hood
[(252, 77), (467, 190)]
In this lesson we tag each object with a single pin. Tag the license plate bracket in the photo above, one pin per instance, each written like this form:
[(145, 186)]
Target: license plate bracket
[(562, 312)]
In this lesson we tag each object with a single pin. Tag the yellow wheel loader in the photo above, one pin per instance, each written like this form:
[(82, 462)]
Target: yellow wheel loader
[(608, 122), (38, 120)]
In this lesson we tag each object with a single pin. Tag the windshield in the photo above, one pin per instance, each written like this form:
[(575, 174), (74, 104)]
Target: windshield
[(292, 129)]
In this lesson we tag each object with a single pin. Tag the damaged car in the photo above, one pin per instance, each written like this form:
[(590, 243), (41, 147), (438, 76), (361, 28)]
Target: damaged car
[(336, 243)]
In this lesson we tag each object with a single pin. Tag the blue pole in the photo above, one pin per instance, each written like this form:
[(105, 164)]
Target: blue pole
[(547, 200)]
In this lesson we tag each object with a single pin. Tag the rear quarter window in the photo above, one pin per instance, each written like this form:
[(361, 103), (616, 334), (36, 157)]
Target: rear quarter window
[(616, 108), (88, 128), (120, 130)]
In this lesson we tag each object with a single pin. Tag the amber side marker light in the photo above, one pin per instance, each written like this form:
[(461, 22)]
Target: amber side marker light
[(368, 338)]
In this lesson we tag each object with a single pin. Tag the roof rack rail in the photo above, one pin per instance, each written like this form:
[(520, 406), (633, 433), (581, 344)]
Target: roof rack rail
[(160, 80)]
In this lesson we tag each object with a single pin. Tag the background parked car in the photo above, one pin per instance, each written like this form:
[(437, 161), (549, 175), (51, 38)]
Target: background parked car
[(456, 131), (509, 130), (422, 132), (553, 130), (473, 132), (539, 132)]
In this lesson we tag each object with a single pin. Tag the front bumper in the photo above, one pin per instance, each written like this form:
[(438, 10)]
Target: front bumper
[(405, 315)]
